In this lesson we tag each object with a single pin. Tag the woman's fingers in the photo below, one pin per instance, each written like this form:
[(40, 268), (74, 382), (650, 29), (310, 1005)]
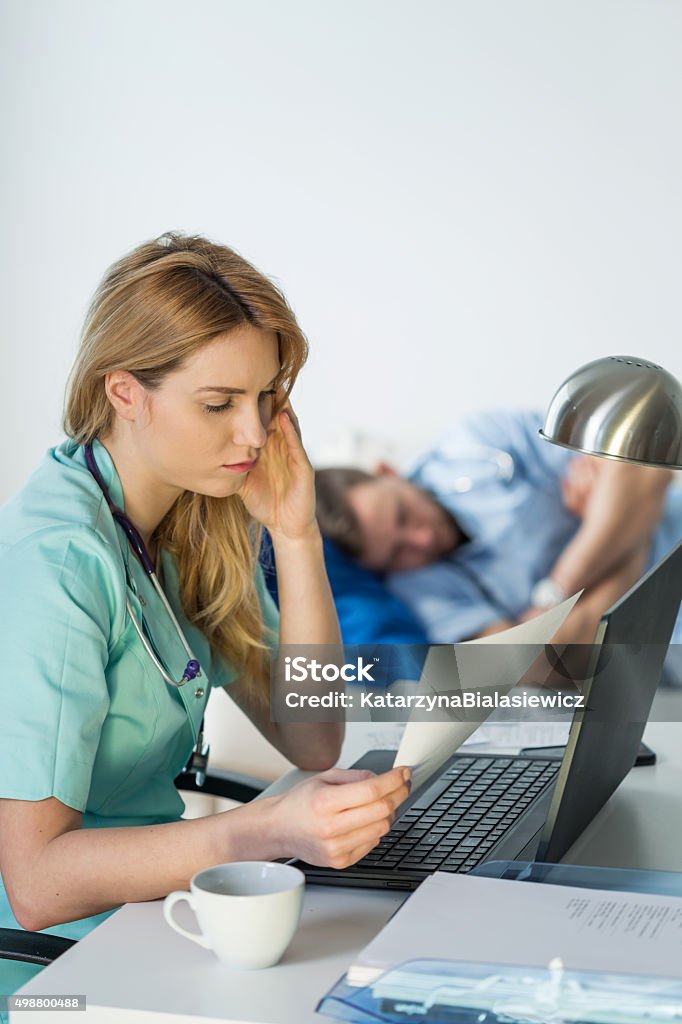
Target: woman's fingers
[(341, 814), (284, 439), (379, 810), (359, 852), (367, 791), (352, 846), (284, 442), (293, 418), (292, 437), (340, 776)]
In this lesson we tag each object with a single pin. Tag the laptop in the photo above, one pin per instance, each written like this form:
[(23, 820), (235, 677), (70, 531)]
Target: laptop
[(526, 807)]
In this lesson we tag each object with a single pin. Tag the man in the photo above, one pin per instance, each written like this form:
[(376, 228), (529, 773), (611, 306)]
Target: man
[(495, 525)]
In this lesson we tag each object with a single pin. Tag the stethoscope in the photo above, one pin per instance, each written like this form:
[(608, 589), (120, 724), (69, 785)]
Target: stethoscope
[(198, 760)]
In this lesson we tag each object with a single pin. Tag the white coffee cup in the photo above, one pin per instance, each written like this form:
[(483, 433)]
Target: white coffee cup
[(247, 911)]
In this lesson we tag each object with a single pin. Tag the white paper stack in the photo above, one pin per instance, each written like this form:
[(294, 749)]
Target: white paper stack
[(473, 920)]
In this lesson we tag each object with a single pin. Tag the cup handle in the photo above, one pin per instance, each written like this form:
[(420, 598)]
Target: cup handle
[(169, 903)]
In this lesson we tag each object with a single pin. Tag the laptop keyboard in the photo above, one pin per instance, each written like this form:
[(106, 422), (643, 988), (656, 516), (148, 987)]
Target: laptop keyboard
[(476, 801)]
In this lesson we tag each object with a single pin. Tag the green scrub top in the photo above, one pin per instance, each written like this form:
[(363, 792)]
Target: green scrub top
[(86, 715)]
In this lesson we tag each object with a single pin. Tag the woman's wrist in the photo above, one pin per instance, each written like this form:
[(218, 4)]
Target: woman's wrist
[(251, 832), (309, 537)]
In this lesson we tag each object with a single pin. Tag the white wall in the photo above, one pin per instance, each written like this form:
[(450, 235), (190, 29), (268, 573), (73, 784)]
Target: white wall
[(462, 200)]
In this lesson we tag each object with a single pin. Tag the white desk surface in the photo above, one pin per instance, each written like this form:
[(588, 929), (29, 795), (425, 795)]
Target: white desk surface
[(133, 967)]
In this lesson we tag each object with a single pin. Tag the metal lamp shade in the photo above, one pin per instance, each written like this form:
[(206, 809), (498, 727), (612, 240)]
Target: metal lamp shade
[(622, 408)]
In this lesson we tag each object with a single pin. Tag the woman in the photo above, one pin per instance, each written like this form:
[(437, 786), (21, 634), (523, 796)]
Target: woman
[(177, 413)]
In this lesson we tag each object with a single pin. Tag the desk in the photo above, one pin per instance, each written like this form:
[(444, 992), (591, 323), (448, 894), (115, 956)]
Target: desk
[(133, 967)]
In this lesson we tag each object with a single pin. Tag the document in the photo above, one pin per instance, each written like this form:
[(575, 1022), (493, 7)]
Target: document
[(511, 737), (494, 664), (493, 736), (468, 919)]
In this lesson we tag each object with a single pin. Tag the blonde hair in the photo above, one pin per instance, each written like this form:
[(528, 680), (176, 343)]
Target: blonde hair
[(154, 308)]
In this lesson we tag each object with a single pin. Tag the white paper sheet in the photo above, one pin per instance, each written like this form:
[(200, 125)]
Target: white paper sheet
[(427, 745), (514, 736), (463, 918)]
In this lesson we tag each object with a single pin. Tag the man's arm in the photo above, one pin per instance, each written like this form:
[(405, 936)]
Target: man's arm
[(575, 636), (620, 505)]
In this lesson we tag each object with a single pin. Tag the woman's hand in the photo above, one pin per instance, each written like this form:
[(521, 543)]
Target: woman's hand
[(280, 491), (337, 817)]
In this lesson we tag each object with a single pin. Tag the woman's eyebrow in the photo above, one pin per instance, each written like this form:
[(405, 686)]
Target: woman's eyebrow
[(231, 391), (223, 391)]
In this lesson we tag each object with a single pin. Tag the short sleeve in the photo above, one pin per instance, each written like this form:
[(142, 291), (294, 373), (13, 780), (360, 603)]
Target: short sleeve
[(446, 600), (222, 672), (513, 431), (518, 432), (56, 614)]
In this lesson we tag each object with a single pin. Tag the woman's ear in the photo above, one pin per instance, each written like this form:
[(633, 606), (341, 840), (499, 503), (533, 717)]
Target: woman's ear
[(125, 393)]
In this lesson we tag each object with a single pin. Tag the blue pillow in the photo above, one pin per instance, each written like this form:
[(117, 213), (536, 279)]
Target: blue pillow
[(368, 613)]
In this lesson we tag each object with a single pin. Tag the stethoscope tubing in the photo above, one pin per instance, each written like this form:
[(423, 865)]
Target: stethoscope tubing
[(198, 760), (150, 650), (193, 668)]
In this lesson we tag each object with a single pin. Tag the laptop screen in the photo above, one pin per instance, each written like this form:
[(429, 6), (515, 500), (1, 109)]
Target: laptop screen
[(627, 661)]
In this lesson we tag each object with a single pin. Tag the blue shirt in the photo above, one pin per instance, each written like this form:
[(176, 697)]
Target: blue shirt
[(501, 481)]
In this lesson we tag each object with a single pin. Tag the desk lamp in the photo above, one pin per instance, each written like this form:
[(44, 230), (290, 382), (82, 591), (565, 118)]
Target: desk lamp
[(622, 408)]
